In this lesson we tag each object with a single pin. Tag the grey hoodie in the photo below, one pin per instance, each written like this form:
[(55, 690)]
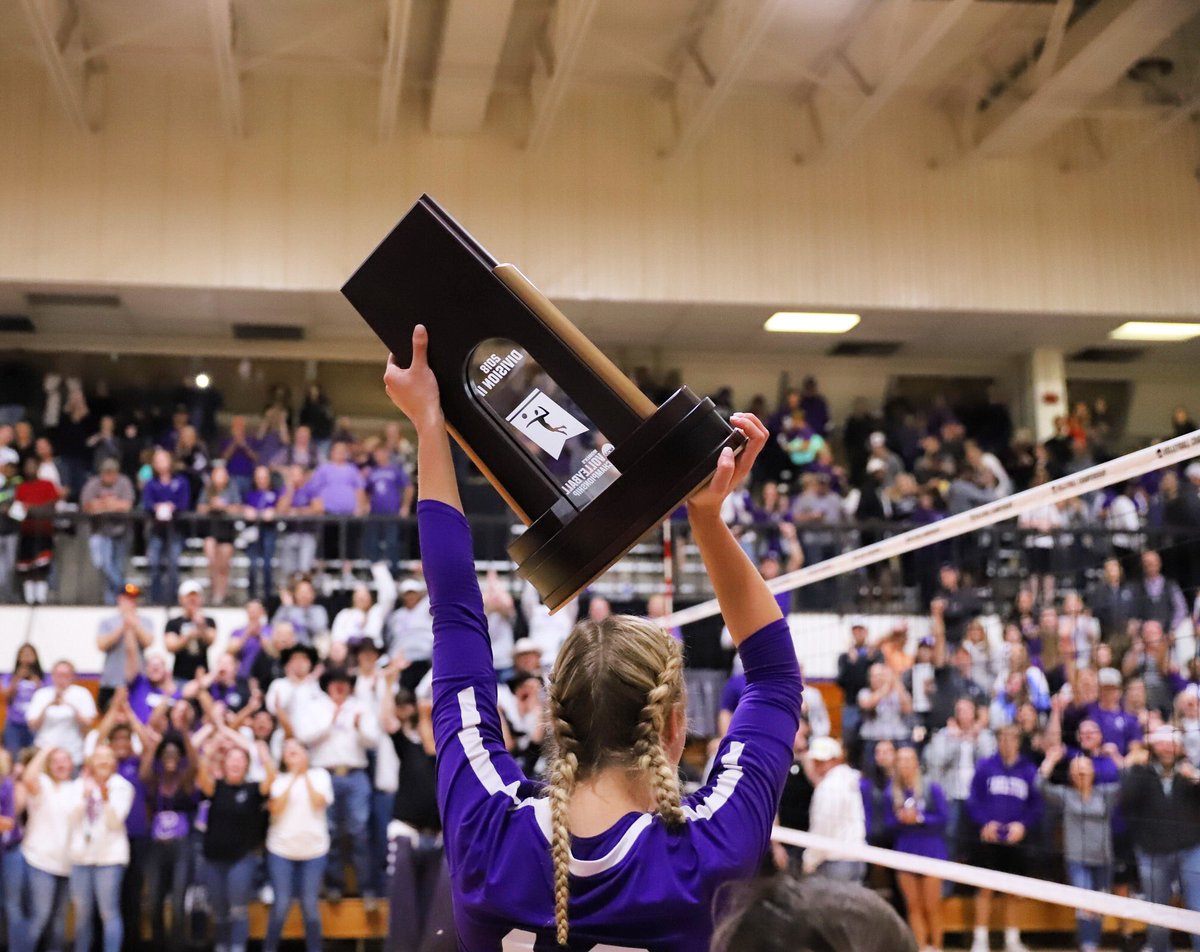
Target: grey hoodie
[(1087, 824)]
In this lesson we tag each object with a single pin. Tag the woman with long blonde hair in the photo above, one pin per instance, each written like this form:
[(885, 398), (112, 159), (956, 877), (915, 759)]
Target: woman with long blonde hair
[(916, 817), (609, 853)]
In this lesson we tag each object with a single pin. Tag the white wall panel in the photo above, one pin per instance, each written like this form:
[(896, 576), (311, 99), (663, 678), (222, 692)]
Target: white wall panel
[(161, 196)]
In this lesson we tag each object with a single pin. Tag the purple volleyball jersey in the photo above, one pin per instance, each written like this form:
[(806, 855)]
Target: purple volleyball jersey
[(639, 885)]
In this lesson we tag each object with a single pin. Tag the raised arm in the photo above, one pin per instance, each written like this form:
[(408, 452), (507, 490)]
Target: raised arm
[(747, 605), (414, 391)]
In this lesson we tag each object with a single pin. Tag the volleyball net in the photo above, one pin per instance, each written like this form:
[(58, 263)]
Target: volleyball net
[(1028, 581)]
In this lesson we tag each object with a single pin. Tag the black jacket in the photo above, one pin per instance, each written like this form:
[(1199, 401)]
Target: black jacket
[(1160, 823)]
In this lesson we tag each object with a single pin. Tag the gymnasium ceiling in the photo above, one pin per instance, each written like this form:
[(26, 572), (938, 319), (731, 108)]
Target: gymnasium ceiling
[(1006, 74)]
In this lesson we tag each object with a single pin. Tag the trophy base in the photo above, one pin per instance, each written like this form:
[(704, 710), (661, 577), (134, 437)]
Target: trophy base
[(667, 458)]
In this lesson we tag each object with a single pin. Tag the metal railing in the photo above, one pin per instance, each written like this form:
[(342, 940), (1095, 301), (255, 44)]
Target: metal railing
[(996, 559)]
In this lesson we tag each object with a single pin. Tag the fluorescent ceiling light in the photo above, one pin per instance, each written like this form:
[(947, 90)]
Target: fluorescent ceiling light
[(810, 322), (1155, 330)]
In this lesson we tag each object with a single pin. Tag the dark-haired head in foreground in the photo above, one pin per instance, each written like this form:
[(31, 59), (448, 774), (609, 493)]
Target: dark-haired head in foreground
[(785, 914)]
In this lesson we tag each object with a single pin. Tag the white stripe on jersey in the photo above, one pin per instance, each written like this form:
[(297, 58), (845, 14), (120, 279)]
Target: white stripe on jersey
[(477, 754), (727, 781), (592, 867)]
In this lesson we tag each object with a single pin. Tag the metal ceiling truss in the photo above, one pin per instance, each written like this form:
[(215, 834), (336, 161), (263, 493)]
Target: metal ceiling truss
[(555, 67), (733, 33), (58, 36)]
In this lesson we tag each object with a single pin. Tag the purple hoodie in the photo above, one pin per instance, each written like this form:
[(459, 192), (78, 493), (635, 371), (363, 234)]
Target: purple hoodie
[(1004, 794)]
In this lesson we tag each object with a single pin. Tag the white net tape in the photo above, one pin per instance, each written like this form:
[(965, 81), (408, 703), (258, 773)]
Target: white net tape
[(1087, 900), (1096, 477)]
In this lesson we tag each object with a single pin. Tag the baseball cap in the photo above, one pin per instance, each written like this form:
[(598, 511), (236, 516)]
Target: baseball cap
[(129, 590), (9, 456), (926, 642), (1109, 678), (824, 748), (525, 646), (410, 585), (191, 587)]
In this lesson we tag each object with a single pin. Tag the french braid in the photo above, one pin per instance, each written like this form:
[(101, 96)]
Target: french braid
[(563, 777), (648, 748)]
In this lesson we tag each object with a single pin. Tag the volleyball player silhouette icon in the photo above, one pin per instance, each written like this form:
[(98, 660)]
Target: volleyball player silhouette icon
[(540, 419)]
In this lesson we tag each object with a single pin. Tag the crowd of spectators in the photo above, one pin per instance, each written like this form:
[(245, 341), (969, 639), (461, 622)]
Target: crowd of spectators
[(296, 490), (1067, 744)]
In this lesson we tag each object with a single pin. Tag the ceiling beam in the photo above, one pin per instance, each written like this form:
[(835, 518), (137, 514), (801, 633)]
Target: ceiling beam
[(56, 34), (229, 81), (569, 24), (473, 38), (906, 63), (391, 80), (1164, 125), (1095, 53), (726, 48)]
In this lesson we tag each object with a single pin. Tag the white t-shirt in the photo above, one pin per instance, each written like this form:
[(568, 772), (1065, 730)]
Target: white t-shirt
[(98, 829), (48, 827), (61, 726), (299, 832)]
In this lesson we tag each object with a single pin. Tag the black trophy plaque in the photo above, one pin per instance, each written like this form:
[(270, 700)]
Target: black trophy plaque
[(586, 461)]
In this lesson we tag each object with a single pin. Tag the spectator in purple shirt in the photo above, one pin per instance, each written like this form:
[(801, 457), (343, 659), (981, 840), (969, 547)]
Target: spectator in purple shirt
[(298, 548), (1004, 803), (165, 496), (12, 863), (19, 686), (390, 493), (1118, 726), (261, 507), (240, 452), (246, 642), (340, 490)]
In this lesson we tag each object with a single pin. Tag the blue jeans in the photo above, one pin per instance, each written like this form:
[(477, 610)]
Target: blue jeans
[(381, 543), (1089, 927), (295, 879), (230, 888), (108, 558), (12, 868), (261, 553), (160, 545), (382, 804), (97, 887), (47, 909), (17, 737), (349, 825), (843, 870), (1159, 872), (168, 874)]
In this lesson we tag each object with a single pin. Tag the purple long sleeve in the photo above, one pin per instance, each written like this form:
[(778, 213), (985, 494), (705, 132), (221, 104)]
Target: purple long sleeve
[(638, 885)]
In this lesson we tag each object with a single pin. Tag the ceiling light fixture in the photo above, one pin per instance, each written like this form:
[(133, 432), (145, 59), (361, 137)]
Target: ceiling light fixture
[(1156, 331), (203, 380), (811, 322)]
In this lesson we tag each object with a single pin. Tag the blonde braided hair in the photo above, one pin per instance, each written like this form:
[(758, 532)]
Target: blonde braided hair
[(613, 691), (651, 757)]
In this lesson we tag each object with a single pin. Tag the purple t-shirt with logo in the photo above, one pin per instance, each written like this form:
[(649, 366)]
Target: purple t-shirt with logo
[(1116, 727), (337, 486), (145, 698), (260, 499), (8, 808), (386, 485), (20, 700), (639, 884)]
